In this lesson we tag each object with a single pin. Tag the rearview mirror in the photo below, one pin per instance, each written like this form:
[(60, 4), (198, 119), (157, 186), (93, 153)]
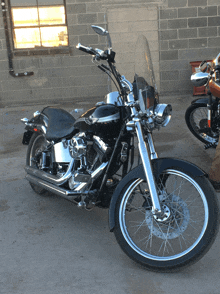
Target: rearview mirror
[(100, 31), (103, 32)]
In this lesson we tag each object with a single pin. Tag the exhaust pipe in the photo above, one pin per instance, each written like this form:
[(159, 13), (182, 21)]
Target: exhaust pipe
[(51, 183), (50, 178), (69, 195)]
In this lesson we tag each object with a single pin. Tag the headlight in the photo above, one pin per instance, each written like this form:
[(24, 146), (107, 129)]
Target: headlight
[(162, 114)]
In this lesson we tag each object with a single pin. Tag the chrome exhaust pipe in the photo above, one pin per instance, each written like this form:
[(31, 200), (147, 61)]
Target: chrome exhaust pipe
[(69, 195), (50, 178)]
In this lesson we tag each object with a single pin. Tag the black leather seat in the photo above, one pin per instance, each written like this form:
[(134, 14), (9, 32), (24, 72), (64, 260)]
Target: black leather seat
[(60, 125)]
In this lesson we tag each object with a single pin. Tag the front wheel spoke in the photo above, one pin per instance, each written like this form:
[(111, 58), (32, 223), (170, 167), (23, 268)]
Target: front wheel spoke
[(179, 235), (163, 234), (141, 224), (133, 207)]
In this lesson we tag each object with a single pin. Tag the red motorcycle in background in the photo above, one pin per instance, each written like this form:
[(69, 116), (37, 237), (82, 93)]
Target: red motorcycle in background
[(203, 115)]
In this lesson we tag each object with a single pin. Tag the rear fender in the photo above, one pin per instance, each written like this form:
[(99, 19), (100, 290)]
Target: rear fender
[(158, 165), (38, 123)]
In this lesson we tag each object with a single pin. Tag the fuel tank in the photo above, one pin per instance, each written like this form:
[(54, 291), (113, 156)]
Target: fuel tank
[(103, 120)]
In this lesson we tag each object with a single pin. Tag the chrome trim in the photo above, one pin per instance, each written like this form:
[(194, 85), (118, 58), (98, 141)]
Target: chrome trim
[(36, 113), (114, 98), (163, 114), (104, 147), (153, 153), (199, 79), (110, 118), (48, 177), (94, 176), (61, 152), (147, 167), (25, 120), (69, 195)]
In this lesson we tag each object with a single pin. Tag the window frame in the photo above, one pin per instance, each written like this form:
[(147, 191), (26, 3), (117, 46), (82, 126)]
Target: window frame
[(41, 49)]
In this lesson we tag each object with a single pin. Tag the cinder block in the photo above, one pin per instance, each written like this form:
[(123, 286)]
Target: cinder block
[(197, 22), (93, 7), (187, 12), (168, 35), (163, 24), (75, 8), (201, 54), (169, 75), (185, 74), (78, 30), (164, 45), (214, 21), (197, 3), (208, 32), (177, 3), (187, 33), (207, 11), (169, 55), (182, 87), (168, 13), (179, 44), (198, 43), (72, 19), (213, 2), (87, 18), (177, 23), (214, 42)]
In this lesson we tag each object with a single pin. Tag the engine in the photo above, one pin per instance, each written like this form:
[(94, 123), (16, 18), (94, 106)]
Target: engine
[(89, 153)]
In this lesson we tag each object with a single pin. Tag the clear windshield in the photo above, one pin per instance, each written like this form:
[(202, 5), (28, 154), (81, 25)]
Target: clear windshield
[(143, 61), (144, 73)]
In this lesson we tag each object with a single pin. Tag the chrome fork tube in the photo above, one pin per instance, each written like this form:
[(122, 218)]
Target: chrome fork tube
[(147, 167), (153, 153)]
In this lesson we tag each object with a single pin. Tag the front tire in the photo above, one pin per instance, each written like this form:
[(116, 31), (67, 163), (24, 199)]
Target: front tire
[(185, 232), (197, 122), (37, 144)]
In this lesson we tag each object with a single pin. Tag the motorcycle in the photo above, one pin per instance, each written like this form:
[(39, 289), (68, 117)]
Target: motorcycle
[(164, 211), (203, 115)]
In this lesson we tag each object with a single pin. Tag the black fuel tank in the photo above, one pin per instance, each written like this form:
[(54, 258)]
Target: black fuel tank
[(103, 120)]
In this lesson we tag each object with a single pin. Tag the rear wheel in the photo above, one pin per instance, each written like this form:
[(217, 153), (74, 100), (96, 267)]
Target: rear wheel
[(182, 235), (37, 144), (197, 122)]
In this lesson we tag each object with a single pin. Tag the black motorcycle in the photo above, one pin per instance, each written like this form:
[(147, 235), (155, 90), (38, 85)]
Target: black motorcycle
[(203, 115), (164, 211)]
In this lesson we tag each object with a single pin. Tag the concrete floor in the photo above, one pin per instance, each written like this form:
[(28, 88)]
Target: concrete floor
[(50, 246)]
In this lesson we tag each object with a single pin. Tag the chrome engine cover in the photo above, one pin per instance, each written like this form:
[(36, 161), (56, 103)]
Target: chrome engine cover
[(78, 146), (61, 152)]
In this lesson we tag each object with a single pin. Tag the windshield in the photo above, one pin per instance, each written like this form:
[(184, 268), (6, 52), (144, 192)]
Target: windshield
[(144, 79)]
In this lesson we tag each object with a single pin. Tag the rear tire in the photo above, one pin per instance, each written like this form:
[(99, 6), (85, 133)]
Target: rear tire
[(37, 144), (184, 234)]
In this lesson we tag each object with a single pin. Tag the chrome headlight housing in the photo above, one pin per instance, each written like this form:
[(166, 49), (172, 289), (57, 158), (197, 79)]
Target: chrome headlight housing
[(162, 114)]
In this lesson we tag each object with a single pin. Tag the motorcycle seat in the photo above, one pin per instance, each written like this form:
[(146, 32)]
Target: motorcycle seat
[(60, 123)]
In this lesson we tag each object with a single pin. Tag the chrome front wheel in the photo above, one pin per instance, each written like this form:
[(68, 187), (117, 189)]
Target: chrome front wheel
[(181, 235)]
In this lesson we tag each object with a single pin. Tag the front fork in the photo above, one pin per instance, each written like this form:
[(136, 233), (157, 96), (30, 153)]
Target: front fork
[(209, 106), (147, 165)]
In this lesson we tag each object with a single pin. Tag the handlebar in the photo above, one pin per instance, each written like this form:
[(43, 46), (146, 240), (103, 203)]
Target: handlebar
[(88, 50), (97, 52)]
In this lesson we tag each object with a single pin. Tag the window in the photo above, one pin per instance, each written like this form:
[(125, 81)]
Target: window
[(38, 23)]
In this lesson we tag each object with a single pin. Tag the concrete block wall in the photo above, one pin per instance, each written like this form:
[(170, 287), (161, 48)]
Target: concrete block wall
[(66, 76), (189, 30)]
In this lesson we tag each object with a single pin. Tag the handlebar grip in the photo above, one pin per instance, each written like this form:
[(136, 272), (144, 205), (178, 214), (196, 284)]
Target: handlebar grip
[(88, 50)]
